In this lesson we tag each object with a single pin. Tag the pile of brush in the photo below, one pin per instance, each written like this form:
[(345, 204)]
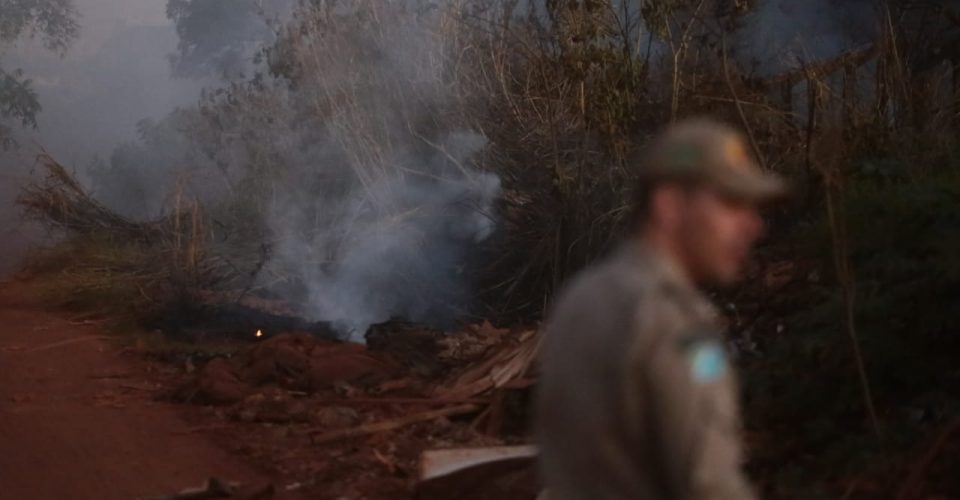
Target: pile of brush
[(58, 201), (116, 266)]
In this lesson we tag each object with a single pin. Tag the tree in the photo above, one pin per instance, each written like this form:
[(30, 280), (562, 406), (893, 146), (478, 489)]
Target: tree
[(221, 37), (53, 22)]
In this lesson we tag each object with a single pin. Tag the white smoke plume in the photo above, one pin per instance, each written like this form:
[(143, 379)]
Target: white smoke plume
[(398, 247), (394, 240), (374, 207)]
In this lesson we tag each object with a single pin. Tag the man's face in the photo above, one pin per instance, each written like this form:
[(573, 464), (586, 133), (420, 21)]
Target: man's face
[(716, 234)]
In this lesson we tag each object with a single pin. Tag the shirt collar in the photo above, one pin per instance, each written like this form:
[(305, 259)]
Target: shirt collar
[(662, 265), (668, 272)]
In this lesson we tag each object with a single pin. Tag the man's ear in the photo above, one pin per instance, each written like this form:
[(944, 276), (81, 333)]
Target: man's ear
[(666, 205)]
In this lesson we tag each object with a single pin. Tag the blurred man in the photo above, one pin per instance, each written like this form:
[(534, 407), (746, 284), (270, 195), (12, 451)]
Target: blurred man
[(637, 399)]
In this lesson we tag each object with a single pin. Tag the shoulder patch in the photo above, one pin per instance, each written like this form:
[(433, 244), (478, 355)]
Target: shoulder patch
[(705, 355)]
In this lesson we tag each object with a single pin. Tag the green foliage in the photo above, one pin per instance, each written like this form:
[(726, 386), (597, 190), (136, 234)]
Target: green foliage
[(139, 177), (18, 101), (108, 281), (217, 36), (54, 21), (904, 250)]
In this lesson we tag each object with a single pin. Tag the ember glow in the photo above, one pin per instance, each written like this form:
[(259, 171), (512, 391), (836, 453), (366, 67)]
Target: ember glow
[(259, 333)]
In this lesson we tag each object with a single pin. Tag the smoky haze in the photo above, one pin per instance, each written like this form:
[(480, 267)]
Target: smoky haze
[(114, 75), (396, 240), (393, 242), (782, 34), (390, 240)]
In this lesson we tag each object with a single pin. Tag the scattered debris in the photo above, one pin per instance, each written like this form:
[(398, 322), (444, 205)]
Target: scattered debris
[(409, 390), (64, 343), (439, 463), (510, 363), (218, 488), (494, 472), (389, 425), (291, 361)]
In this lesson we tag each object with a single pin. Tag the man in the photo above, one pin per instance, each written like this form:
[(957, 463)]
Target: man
[(637, 399)]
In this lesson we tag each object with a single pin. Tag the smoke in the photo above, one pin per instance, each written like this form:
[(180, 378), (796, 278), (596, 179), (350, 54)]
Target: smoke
[(353, 160), (342, 167), (783, 34), (223, 37), (397, 248), (113, 76), (384, 212)]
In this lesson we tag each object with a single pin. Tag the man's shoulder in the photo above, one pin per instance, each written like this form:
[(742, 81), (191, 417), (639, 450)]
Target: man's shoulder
[(611, 281)]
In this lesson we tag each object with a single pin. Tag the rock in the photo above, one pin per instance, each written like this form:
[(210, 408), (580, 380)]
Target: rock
[(217, 383), (336, 417), (273, 406), (296, 361), (335, 368), (289, 360)]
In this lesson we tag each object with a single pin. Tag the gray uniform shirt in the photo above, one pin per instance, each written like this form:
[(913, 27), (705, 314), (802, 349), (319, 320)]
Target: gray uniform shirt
[(636, 399)]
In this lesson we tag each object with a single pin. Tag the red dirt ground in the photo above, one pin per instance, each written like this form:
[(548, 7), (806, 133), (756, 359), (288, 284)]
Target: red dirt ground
[(79, 419)]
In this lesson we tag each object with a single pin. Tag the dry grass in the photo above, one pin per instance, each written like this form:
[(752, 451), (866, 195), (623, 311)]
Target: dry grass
[(59, 201), (112, 265), (563, 100)]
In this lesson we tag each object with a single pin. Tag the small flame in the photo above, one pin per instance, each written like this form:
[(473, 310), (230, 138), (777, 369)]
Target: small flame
[(259, 333)]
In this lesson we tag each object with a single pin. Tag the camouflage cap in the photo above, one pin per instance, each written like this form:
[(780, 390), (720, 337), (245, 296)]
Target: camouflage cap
[(713, 154)]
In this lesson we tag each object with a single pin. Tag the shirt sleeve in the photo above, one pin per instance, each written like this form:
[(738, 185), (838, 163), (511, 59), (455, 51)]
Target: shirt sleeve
[(689, 410)]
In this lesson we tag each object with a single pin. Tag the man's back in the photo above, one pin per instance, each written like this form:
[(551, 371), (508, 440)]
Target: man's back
[(620, 326), (636, 398)]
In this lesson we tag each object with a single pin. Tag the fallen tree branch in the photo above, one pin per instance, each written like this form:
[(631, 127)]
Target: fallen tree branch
[(389, 425), (505, 366), (59, 201), (404, 401), (66, 342), (811, 71)]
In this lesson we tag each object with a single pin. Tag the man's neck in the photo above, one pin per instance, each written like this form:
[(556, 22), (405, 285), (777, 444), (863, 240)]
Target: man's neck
[(665, 251)]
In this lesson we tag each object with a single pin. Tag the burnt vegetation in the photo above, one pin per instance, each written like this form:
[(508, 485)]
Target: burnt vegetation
[(245, 197)]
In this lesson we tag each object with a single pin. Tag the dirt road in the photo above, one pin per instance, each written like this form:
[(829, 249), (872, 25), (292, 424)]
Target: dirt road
[(79, 420)]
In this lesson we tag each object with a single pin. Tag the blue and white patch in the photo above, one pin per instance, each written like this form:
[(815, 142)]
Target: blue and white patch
[(708, 361)]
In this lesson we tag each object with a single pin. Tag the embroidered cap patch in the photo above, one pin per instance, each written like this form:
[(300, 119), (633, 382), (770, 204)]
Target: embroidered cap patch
[(708, 361), (685, 157)]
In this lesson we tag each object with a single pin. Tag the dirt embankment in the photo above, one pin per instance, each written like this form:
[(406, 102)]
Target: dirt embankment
[(79, 418)]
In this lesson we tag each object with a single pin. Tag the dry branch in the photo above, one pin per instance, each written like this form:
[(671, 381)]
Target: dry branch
[(836, 220), (58, 200), (389, 425), (403, 401), (507, 365), (813, 71)]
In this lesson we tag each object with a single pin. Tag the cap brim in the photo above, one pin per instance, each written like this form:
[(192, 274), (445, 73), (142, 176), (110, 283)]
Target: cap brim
[(752, 186)]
